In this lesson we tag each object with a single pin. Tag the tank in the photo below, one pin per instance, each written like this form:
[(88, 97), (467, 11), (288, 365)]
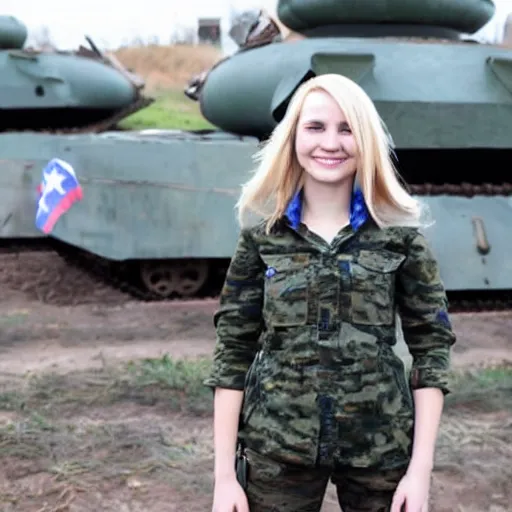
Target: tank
[(446, 100), (141, 220), (57, 90), (13, 33), (157, 215)]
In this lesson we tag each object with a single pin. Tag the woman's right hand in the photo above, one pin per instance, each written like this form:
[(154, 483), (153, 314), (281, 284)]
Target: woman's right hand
[(228, 496)]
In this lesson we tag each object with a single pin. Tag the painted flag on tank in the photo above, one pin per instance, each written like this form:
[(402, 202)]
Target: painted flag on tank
[(58, 191)]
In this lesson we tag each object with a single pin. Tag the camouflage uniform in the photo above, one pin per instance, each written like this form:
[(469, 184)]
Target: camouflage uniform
[(315, 325)]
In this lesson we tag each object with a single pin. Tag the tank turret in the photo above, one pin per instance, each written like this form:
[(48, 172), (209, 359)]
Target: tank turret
[(393, 16), (409, 56), (13, 33), (62, 90)]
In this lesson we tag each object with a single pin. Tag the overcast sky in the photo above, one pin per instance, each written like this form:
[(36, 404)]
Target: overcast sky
[(114, 22)]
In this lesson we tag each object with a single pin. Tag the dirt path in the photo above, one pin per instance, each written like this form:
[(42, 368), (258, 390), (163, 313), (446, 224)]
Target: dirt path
[(106, 327), (37, 336), (50, 311)]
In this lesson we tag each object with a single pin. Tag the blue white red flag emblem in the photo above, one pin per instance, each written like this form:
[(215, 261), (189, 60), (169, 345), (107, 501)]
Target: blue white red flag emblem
[(58, 190)]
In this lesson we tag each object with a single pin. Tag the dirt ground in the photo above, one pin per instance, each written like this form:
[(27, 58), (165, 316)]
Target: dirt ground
[(139, 453)]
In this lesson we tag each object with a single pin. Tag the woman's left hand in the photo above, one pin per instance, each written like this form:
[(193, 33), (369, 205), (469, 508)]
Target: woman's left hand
[(412, 492)]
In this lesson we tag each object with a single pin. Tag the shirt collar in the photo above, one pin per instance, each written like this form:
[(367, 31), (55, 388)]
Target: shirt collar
[(358, 210)]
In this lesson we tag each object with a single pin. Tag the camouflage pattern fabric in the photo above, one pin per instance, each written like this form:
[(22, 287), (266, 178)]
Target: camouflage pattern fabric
[(315, 325), (275, 487)]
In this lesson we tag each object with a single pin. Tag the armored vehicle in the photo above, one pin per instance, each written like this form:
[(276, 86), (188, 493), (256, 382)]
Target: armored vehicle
[(157, 213), (13, 33), (56, 90)]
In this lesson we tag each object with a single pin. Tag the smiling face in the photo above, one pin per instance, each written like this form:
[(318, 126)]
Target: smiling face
[(324, 144)]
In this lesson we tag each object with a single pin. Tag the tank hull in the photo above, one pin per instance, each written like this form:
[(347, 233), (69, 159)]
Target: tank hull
[(413, 84), (182, 206), (183, 185)]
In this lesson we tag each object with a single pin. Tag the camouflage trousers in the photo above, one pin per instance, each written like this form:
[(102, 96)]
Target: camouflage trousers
[(276, 487)]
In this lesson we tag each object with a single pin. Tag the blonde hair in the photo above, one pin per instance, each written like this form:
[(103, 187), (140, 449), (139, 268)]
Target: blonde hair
[(279, 176)]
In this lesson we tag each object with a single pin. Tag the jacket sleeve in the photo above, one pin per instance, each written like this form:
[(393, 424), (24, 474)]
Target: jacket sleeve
[(238, 321), (423, 308)]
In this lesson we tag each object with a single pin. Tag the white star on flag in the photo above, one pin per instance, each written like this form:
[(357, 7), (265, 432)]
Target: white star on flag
[(58, 191)]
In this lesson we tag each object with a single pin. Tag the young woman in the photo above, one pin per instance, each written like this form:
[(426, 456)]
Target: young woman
[(307, 321)]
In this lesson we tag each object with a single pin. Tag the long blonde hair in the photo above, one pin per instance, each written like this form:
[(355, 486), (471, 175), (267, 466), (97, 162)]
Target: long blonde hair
[(278, 175)]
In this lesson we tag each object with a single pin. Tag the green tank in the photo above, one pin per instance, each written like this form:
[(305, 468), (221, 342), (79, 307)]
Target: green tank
[(56, 90), (13, 33), (157, 214), (446, 100), (455, 15), (410, 60)]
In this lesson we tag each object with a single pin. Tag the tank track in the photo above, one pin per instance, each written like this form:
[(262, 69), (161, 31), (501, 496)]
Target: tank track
[(462, 189), (116, 277), (121, 276), (494, 300), (462, 302)]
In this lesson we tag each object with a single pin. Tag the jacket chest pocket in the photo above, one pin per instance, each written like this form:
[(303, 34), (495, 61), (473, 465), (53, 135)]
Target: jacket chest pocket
[(373, 286), (286, 290)]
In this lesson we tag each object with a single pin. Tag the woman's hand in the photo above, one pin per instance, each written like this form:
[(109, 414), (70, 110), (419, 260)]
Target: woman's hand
[(412, 492), (228, 496)]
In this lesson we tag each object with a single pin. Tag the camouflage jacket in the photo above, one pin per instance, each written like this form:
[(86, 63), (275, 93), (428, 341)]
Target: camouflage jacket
[(314, 323)]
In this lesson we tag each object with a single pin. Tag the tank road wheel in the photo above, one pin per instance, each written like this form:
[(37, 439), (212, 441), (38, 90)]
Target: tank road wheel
[(184, 278)]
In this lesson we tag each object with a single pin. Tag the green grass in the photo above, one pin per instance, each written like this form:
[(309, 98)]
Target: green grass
[(170, 110), (482, 390), (175, 384), (179, 382)]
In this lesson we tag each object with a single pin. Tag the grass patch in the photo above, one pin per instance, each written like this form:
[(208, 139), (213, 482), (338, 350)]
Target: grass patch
[(171, 110), (150, 420), (475, 433), (164, 67), (176, 385), (98, 424), (183, 378), (14, 318), (485, 390)]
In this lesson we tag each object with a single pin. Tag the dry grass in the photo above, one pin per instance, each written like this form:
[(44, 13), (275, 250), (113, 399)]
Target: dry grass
[(166, 70), (145, 428), (485, 390), (177, 384), (118, 426), (168, 67)]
